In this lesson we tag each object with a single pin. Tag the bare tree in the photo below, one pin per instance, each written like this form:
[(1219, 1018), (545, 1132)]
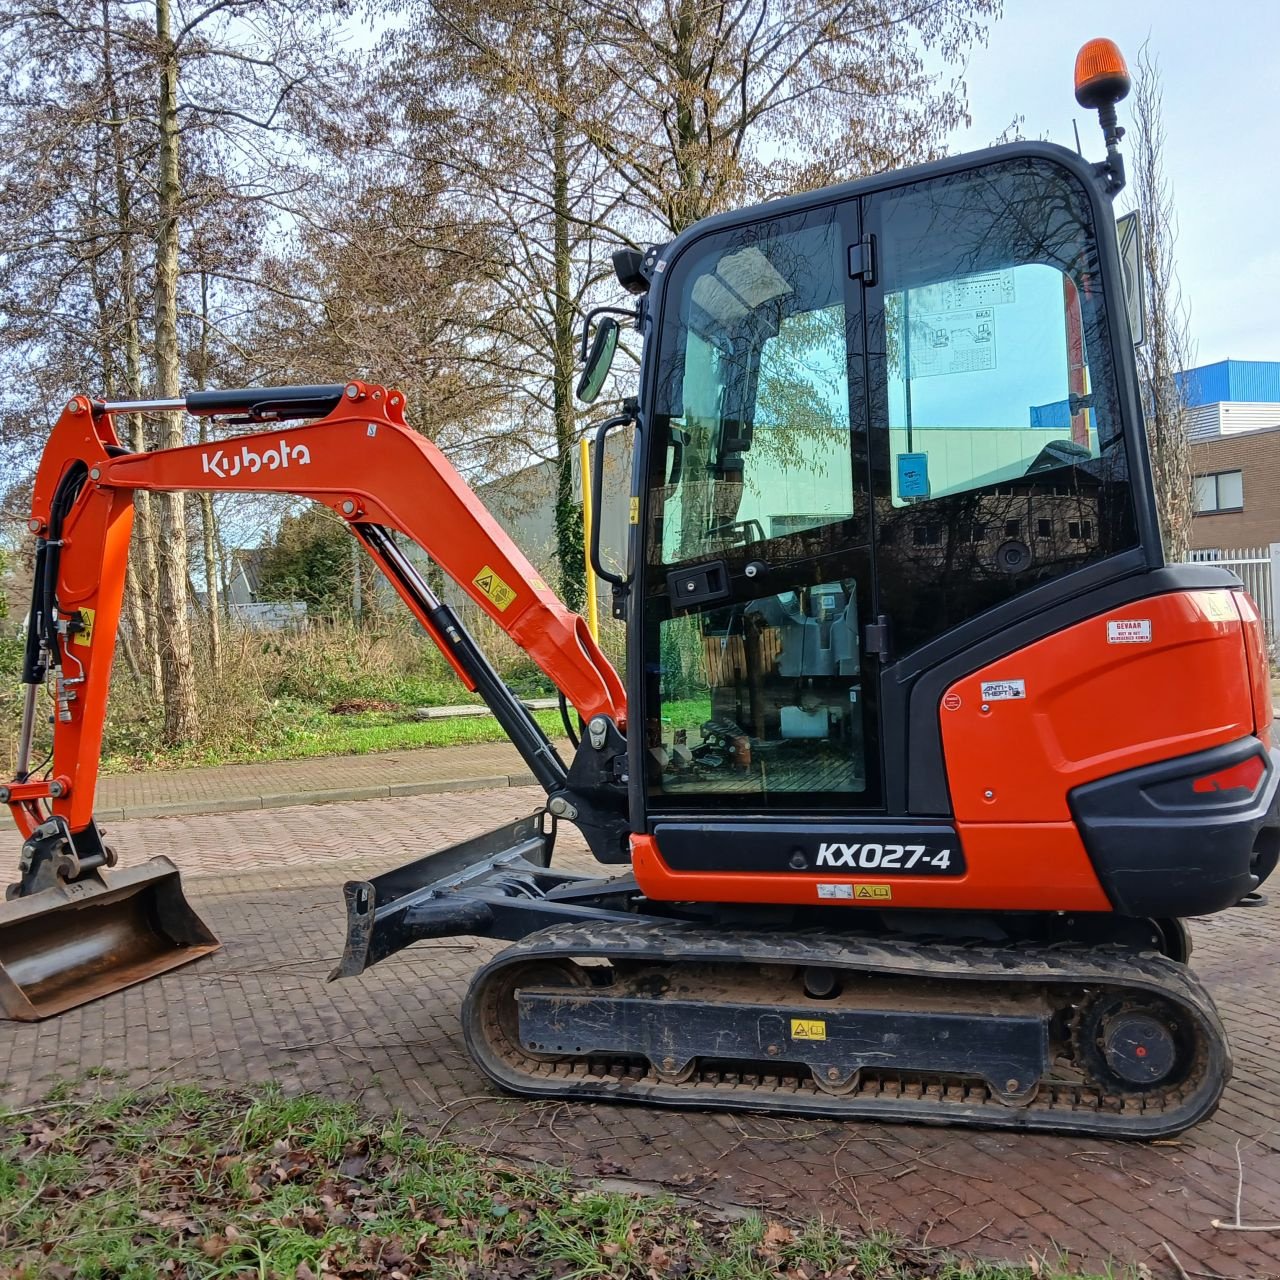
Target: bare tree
[(721, 103), (1168, 348), (496, 94)]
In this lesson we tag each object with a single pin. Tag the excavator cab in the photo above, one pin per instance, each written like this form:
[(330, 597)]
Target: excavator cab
[(875, 416)]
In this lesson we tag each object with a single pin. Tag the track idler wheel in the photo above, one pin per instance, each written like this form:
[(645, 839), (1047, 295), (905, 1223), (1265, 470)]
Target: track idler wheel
[(1129, 1045), (500, 1010)]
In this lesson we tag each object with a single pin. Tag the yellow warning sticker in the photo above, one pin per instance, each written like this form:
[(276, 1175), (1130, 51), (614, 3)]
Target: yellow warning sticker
[(808, 1029), (635, 509), (877, 892), (1217, 606), (538, 585), (84, 637), (494, 588)]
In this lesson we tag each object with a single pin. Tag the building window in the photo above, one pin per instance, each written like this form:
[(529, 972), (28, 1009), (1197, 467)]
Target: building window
[(1222, 491)]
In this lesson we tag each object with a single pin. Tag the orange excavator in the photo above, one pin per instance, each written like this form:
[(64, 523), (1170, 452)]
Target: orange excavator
[(924, 752)]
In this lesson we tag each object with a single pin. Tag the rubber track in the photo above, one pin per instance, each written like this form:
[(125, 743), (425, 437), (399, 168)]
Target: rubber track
[(1062, 1107)]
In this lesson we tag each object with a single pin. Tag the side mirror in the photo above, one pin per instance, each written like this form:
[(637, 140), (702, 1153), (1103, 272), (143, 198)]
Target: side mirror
[(599, 360)]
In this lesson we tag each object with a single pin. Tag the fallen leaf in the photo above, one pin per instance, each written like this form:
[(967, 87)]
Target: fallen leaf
[(775, 1236), (215, 1246)]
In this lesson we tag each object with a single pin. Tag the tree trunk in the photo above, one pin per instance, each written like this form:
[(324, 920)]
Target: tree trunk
[(568, 512), (141, 586), (208, 523), (1167, 350), (686, 204), (180, 712)]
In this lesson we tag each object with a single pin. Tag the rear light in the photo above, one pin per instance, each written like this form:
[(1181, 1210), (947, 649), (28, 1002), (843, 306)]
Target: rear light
[(1243, 776), (1255, 642)]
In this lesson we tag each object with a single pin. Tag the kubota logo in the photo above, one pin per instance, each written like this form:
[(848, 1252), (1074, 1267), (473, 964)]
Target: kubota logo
[(218, 464)]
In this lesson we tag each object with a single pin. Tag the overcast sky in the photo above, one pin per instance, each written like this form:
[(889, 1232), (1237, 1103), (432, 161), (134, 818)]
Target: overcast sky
[(1221, 72)]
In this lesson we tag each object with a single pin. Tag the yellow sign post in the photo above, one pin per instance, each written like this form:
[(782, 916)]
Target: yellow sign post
[(584, 469)]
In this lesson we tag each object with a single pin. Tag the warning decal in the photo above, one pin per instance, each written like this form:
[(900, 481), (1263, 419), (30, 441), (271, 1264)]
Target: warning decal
[(1129, 631), (84, 637), (494, 588), (873, 892), (835, 891), (808, 1029)]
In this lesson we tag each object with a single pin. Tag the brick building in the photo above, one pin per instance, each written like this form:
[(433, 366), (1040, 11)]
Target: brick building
[(1234, 426), (1237, 489)]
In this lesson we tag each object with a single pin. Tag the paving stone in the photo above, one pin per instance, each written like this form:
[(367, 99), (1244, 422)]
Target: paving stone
[(269, 882), (244, 786)]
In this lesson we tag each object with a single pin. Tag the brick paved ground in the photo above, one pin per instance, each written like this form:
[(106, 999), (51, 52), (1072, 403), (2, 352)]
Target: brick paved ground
[(273, 783), (261, 1010)]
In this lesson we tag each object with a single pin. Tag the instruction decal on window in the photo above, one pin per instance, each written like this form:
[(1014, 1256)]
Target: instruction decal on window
[(983, 289), (953, 342), (493, 588), (1129, 631), (913, 475)]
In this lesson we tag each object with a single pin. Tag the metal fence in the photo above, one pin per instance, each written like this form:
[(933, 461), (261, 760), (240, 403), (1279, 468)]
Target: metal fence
[(1258, 568)]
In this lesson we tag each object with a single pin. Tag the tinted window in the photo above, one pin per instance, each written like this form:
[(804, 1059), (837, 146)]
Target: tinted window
[(1001, 461), (752, 422)]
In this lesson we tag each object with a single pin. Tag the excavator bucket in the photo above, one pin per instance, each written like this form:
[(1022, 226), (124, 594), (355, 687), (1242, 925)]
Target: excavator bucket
[(70, 944)]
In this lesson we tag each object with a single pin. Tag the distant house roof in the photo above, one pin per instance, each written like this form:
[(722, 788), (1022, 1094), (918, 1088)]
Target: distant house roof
[(1251, 381), (248, 562)]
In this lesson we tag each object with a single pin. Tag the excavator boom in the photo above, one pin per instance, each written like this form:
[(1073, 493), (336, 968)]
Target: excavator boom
[(361, 459)]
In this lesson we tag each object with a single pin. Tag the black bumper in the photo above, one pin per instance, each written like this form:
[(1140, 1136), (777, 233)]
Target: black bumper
[(1187, 836)]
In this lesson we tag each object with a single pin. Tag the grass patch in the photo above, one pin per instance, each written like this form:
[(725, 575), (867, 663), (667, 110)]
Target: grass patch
[(186, 1183), (299, 731)]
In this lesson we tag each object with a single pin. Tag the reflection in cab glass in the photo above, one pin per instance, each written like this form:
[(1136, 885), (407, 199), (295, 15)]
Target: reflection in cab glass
[(1006, 464), (758, 683)]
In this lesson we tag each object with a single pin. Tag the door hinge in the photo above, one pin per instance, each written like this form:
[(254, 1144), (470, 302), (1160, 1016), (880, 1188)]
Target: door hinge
[(862, 260), (878, 638)]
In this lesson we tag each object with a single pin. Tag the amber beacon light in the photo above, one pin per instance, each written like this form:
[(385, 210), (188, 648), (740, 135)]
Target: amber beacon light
[(1102, 78)]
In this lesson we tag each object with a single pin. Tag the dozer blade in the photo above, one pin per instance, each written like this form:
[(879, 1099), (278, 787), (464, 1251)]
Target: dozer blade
[(439, 896), (68, 945)]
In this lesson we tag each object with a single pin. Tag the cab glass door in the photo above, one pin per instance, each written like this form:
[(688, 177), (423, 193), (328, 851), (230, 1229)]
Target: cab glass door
[(757, 576)]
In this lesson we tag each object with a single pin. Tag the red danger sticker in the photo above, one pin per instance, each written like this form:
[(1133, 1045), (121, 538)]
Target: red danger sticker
[(952, 702), (1129, 631)]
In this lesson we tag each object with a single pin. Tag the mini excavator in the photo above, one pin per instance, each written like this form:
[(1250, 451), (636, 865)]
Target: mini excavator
[(924, 753)]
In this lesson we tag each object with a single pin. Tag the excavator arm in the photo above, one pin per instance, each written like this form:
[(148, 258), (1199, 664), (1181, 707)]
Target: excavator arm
[(72, 928), (358, 457)]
